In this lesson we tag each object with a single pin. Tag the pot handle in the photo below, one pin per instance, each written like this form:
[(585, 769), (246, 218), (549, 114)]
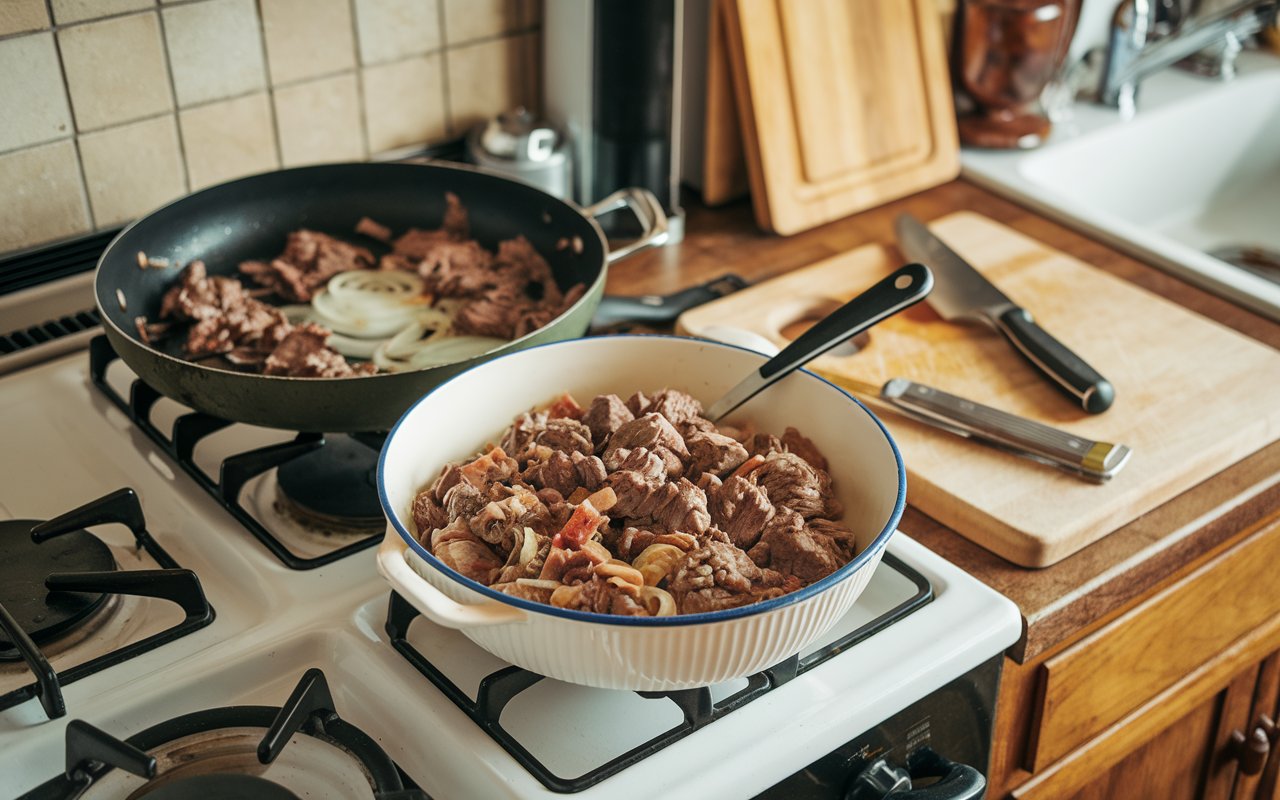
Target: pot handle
[(647, 209), (433, 603)]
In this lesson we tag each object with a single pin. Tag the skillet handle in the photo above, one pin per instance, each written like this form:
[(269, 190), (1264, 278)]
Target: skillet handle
[(647, 209), (433, 603)]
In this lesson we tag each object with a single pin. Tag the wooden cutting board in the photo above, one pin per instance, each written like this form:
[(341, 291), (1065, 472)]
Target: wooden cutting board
[(844, 104), (1192, 397), (724, 166)]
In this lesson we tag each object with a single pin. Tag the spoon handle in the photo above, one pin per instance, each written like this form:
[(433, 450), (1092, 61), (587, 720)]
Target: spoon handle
[(903, 287)]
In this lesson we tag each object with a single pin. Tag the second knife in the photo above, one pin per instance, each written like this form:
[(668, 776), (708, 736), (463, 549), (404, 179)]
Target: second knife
[(1092, 460), (961, 292)]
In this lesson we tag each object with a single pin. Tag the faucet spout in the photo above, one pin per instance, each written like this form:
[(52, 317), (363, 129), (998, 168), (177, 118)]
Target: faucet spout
[(1130, 58)]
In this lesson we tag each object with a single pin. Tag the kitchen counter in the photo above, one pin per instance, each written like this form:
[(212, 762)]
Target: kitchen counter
[(1079, 594)]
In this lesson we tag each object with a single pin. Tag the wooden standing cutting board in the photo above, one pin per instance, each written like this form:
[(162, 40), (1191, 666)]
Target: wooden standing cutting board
[(845, 104), (1192, 397), (724, 166)]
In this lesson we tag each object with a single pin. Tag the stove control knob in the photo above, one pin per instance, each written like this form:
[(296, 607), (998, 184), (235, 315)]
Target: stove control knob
[(882, 781), (878, 781)]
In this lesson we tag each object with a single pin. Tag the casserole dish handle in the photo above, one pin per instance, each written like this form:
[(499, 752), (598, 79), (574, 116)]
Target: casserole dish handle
[(433, 603)]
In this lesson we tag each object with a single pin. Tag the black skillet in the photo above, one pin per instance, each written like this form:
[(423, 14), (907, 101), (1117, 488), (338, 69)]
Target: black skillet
[(250, 218)]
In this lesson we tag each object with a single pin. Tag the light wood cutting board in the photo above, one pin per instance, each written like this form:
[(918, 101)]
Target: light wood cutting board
[(1192, 397), (845, 104)]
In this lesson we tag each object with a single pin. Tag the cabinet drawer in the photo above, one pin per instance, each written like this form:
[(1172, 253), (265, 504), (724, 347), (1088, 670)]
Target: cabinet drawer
[(1094, 683)]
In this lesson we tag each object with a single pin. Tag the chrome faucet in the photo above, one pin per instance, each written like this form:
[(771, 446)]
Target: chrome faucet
[(1130, 58)]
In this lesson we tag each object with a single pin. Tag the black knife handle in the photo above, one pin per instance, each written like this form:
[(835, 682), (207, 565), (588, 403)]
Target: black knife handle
[(1094, 392)]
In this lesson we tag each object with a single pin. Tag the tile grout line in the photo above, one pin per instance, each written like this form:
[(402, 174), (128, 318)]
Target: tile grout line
[(446, 98), (361, 111), (271, 86), (173, 94), (62, 26), (75, 130), (506, 34)]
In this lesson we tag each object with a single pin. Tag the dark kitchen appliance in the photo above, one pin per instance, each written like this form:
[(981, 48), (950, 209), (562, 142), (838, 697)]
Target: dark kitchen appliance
[(612, 77)]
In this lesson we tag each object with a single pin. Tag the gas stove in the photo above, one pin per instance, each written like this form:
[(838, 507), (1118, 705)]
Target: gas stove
[(214, 597)]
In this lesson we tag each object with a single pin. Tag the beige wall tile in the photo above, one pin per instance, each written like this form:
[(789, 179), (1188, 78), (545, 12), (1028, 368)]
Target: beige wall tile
[(488, 78), (132, 169), (17, 16), (228, 139), (467, 20), (320, 121), (307, 38), (33, 100), (68, 11), (43, 197), (404, 103), (215, 49), (115, 70), (392, 29)]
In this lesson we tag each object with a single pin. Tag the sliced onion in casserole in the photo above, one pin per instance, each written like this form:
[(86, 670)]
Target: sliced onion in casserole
[(528, 547), (538, 583), (658, 602)]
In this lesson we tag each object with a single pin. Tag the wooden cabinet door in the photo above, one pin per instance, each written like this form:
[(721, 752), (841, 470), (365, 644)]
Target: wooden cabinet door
[(1191, 759), (1266, 714)]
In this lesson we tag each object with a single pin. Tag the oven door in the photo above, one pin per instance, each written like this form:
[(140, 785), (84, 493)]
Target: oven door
[(938, 748)]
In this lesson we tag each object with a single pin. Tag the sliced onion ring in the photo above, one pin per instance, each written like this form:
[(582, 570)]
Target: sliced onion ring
[(529, 546), (538, 583), (659, 602), (370, 304), (407, 350)]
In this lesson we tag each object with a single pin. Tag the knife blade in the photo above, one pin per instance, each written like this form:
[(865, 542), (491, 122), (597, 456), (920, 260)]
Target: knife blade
[(961, 292)]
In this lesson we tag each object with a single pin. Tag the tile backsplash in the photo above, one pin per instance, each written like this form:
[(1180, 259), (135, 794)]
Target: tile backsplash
[(110, 108)]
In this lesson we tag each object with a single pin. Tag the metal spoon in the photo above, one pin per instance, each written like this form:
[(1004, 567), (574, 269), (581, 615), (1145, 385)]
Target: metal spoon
[(903, 287)]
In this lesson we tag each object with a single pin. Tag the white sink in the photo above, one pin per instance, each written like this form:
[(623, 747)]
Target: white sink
[(1196, 169)]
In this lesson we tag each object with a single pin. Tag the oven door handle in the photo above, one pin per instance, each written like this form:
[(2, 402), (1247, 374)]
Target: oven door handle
[(882, 781)]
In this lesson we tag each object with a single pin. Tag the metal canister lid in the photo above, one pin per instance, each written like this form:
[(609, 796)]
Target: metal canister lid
[(519, 136)]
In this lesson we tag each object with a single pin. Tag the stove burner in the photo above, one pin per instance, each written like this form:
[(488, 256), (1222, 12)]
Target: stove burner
[(77, 566), (237, 471), (24, 566), (250, 752), (334, 487), (221, 787)]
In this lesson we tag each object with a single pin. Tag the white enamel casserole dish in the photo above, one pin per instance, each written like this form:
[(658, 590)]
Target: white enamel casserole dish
[(457, 418)]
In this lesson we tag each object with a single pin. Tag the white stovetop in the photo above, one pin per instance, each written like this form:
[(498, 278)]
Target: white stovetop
[(65, 444)]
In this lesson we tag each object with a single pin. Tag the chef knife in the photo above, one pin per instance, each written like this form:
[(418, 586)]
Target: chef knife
[(961, 292)]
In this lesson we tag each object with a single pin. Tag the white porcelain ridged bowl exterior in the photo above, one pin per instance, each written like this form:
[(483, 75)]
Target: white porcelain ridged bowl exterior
[(456, 419)]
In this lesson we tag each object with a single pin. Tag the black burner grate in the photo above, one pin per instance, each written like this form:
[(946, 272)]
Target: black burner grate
[(499, 688), (236, 471), (309, 711), (180, 586)]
